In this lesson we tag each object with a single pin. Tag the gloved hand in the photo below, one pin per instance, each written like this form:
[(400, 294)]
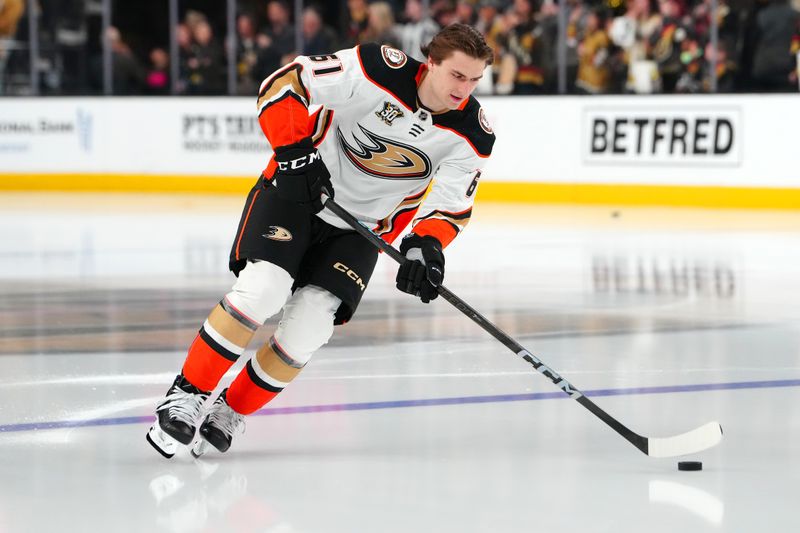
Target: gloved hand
[(424, 270), (302, 175)]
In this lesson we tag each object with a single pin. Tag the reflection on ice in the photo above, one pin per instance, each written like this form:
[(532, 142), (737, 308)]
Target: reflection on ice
[(692, 499)]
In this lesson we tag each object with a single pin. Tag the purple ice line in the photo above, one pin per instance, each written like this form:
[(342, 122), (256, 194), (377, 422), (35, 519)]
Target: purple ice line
[(394, 404)]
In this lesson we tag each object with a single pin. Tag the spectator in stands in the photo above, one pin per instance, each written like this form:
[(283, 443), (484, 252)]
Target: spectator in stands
[(128, 73), (192, 18), (10, 13), (726, 19), (725, 70), (276, 40), (527, 48), (487, 21), (465, 12), (183, 36), (666, 44), (547, 17), (697, 52), (380, 25), (318, 39), (631, 34), (157, 81), (491, 26), (693, 69), (443, 12), (577, 13), (280, 34), (417, 31), (593, 54), (248, 45), (773, 64), (505, 71), (794, 50), (205, 62), (356, 23)]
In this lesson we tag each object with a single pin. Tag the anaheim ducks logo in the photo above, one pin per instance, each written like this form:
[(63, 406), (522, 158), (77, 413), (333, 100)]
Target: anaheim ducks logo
[(278, 233), (385, 158)]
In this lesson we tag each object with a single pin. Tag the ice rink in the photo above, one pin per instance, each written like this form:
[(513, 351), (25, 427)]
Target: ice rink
[(411, 418)]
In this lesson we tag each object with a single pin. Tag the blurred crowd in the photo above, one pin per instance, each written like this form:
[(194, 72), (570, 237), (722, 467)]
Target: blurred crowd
[(610, 46)]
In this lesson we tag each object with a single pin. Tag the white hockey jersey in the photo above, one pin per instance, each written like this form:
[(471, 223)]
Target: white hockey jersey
[(382, 148)]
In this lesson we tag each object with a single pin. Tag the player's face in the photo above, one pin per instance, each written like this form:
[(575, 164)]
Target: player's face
[(454, 79)]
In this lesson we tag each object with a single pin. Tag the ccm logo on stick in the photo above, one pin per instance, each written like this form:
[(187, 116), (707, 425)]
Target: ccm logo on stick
[(662, 136), (341, 267)]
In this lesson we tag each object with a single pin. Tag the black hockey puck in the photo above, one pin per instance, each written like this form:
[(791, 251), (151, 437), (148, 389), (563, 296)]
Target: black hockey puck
[(690, 465)]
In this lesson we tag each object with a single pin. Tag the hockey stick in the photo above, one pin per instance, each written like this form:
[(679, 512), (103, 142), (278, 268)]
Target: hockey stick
[(693, 441)]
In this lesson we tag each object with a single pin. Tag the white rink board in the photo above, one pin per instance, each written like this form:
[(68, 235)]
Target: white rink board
[(550, 140), (183, 136), (741, 140)]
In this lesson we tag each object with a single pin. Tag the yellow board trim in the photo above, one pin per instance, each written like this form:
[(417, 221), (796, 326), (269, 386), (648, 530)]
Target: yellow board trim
[(127, 183), (641, 195), (489, 191)]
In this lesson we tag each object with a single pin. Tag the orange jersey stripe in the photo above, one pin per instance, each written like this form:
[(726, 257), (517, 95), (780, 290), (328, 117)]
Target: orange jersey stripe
[(398, 224), (244, 224), (285, 121), (442, 230), (443, 225)]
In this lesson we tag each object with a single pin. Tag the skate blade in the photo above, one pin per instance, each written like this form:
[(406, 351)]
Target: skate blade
[(163, 443), (200, 448)]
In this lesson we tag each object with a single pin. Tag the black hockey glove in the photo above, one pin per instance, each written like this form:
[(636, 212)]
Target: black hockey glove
[(302, 175), (424, 270)]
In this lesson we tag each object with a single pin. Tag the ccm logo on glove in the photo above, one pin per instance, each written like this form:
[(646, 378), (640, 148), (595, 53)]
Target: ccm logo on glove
[(300, 162), (303, 176)]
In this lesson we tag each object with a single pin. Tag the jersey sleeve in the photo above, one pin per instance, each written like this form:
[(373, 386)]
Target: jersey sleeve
[(448, 206), (285, 96)]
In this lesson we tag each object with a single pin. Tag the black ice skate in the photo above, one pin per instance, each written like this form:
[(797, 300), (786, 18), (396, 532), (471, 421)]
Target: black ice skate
[(219, 427), (177, 417)]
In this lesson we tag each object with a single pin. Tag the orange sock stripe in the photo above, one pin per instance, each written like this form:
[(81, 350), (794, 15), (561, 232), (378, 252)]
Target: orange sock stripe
[(204, 367), (248, 393)]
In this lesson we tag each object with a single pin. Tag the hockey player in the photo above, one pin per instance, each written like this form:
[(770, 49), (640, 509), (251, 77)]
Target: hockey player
[(378, 130)]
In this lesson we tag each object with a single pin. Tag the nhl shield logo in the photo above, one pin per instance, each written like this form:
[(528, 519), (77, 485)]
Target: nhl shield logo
[(389, 112), (393, 57)]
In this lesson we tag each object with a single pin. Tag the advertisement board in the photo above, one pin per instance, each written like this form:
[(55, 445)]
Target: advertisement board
[(710, 141), (182, 136), (725, 141)]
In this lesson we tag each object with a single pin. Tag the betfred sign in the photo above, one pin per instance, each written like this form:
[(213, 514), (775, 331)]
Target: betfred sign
[(662, 136)]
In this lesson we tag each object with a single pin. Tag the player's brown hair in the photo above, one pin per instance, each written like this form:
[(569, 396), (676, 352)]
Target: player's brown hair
[(459, 37)]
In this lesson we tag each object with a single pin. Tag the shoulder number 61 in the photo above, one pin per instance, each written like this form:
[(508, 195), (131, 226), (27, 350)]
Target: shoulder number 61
[(328, 64)]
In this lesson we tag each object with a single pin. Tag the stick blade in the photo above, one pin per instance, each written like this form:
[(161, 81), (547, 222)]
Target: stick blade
[(696, 440)]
